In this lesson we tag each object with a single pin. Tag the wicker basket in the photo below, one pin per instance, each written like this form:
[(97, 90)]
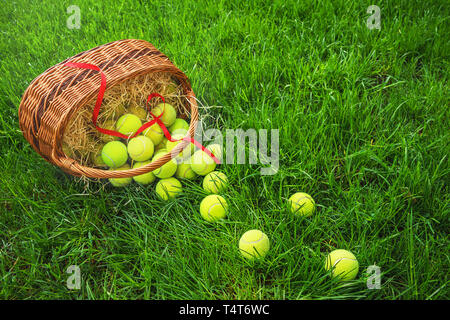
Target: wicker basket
[(52, 98)]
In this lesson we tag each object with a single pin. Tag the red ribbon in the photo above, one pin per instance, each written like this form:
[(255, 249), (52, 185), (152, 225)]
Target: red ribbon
[(156, 119)]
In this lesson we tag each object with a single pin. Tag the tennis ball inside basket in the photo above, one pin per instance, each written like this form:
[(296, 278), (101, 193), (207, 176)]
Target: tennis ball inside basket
[(213, 208), (108, 125), (128, 124), (155, 133), (140, 112), (217, 150), (168, 188), (121, 182), (343, 263), (162, 144), (186, 152), (179, 126), (215, 182), (114, 154), (168, 111), (254, 244), (202, 163), (145, 178), (166, 170), (184, 171), (161, 151), (302, 204), (140, 148), (67, 150), (116, 110), (96, 157), (170, 89)]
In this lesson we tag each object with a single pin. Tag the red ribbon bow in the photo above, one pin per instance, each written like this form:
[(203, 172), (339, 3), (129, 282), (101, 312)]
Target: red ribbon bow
[(156, 119)]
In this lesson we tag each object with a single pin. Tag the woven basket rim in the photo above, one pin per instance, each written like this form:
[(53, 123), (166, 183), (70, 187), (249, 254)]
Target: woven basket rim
[(43, 123), (129, 172)]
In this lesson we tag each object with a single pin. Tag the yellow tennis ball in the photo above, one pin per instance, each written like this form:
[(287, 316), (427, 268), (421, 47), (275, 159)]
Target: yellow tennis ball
[(121, 182), (184, 171), (168, 188), (202, 163), (215, 182), (213, 208), (217, 150), (343, 263), (254, 244), (114, 154), (161, 151), (128, 124), (117, 110), (96, 157), (185, 153), (162, 144), (140, 148), (67, 150), (145, 178), (155, 133), (140, 112), (108, 125), (169, 115), (166, 170), (170, 89), (179, 126), (302, 204)]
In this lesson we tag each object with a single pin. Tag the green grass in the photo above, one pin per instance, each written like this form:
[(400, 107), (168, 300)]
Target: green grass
[(364, 128)]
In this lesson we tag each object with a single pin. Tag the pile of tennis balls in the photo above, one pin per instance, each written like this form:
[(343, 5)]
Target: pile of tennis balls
[(191, 163), (152, 144)]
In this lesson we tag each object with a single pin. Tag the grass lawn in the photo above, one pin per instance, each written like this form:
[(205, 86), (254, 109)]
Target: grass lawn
[(364, 128)]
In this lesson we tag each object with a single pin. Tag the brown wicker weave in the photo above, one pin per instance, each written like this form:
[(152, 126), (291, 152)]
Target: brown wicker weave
[(53, 97)]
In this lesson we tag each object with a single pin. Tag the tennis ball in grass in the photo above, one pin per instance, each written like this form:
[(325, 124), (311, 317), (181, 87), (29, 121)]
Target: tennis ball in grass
[(128, 124), (179, 126), (215, 182), (121, 182), (184, 171), (155, 133), (254, 244), (302, 204), (213, 208), (108, 125), (138, 111), (169, 115), (140, 148), (202, 163), (217, 150), (145, 178), (114, 154), (168, 188), (343, 263), (166, 170)]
